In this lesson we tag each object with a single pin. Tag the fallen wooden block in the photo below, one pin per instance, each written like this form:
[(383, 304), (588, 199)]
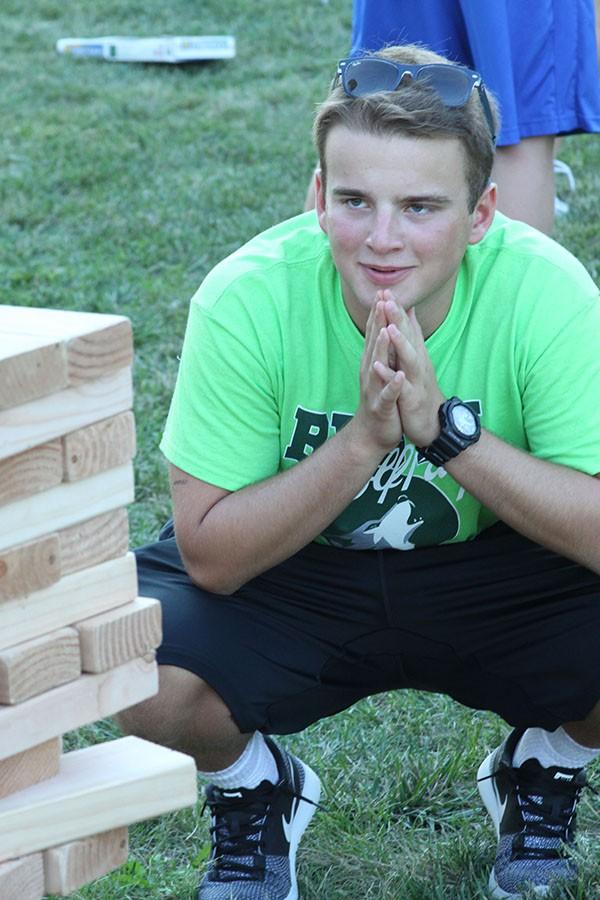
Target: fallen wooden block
[(72, 705), (32, 471), (39, 665), (71, 599), (94, 541), (112, 638), (39, 421), (97, 789), (45, 350), (99, 447), (29, 567), (30, 766), (72, 865), (22, 879)]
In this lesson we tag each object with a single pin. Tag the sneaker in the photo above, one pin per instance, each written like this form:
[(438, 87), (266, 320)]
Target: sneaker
[(533, 810), (255, 833)]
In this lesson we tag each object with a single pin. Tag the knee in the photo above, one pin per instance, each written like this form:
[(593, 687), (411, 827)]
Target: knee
[(185, 705)]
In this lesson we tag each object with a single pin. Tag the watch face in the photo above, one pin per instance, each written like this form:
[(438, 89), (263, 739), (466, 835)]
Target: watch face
[(464, 420)]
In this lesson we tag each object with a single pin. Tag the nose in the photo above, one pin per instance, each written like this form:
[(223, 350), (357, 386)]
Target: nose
[(385, 233)]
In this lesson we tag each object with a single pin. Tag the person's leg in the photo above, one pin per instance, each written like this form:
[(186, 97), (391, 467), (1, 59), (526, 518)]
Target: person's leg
[(541, 637), (524, 174), (187, 715), (231, 668), (515, 629), (587, 731)]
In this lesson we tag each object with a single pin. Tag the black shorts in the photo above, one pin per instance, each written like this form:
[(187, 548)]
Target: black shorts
[(498, 623)]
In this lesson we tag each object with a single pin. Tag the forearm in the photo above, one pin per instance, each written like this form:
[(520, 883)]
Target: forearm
[(553, 505), (253, 529)]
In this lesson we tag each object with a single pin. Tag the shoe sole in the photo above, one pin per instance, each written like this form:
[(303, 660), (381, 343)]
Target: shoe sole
[(491, 801), (312, 791)]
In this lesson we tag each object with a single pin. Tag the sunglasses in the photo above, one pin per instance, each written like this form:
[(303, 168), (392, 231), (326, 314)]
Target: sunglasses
[(453, 84)]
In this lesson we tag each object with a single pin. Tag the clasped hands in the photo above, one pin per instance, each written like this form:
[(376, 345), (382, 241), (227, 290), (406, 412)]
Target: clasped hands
[(399, 390)]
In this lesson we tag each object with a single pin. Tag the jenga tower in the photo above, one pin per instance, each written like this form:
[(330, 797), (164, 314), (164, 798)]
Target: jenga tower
[(76, 642)]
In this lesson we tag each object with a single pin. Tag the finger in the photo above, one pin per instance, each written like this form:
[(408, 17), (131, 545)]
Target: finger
[(376, 318), (375, 323), (385, 301), (380, 369), (401, 343), (381, 348), (390, 312), (384, 372), (415, 324), (397, 315), (392, 389), (389, 377), (371, 333)]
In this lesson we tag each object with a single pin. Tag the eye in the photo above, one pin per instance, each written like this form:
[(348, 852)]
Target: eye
[(354, 202), (419, 209)]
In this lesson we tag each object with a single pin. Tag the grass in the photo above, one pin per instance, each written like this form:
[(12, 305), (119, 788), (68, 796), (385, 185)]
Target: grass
[(120, 187)]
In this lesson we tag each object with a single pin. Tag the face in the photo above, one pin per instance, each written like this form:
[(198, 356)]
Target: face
[(395, 209)]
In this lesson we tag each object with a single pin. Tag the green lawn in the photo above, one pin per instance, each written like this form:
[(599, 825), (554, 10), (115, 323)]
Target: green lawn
[(121, 186)]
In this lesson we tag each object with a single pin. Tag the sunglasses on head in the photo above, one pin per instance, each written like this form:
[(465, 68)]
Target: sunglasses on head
[(453, 84)]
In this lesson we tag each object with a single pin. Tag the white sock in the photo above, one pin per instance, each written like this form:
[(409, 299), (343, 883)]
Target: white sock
[(256, 764), (553, 748)]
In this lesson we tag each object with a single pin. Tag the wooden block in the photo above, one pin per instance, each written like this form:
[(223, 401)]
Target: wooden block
[(94, 541), (57, 324), (30, 367), (45, 350), (72, 705), (38, 421), (98, 447), (65, 505), (97, 789), (35, 666), (73, 598), (110, 639), (30, 472), (22, 879), (30, 766), (29, 567), (72, 865), (97, 353)]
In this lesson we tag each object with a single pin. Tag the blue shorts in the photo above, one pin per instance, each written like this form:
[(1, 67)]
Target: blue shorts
[(539, 57), (497, 623)]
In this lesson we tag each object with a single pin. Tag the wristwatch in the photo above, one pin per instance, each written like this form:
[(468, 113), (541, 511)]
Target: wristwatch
[(460, 428)]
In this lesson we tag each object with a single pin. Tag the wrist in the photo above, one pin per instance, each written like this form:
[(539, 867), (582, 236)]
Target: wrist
[(459, 428), (365, 448)]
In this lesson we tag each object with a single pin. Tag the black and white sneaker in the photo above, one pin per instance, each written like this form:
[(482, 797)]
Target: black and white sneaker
[(533, 811), (255, 833)]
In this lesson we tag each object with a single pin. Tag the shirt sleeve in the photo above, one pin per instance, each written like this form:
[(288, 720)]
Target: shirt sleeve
[(223, 424), (561, 390)]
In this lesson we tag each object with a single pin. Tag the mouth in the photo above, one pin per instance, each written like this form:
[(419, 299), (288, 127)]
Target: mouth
[(385, 275)]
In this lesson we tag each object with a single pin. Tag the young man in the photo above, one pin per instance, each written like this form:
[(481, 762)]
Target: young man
[(404, 371)]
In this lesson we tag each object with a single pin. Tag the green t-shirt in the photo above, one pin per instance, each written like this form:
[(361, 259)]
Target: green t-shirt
[(270, 370)]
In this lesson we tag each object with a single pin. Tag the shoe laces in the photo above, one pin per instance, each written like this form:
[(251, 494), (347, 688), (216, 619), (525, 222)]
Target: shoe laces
[(548, 809), (238, 822)]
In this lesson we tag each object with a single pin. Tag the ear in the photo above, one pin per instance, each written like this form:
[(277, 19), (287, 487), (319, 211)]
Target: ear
[(320, 200), (483, 214)]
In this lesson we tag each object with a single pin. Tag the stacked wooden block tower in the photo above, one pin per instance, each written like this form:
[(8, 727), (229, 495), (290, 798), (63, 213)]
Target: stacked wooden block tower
[(76, 642)]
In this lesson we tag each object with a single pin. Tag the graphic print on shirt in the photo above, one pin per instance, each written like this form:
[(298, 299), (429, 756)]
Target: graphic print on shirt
[(402, 506)]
